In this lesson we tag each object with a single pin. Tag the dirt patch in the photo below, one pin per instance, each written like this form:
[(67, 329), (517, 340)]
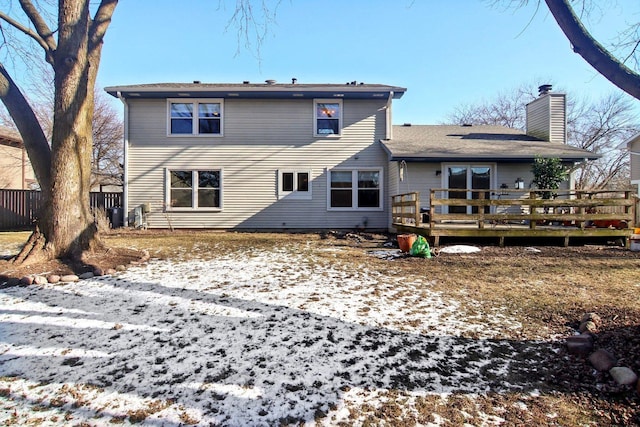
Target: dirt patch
[(105, 259), (545, 290)]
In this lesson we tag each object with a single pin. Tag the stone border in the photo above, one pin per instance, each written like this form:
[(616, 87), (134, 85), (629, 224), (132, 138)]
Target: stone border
[(601, 359), (38, 279)]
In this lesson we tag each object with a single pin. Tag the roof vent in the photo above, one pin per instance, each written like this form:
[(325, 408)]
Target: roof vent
[(467, 125), (270, 82), (196, 82), (544, 89), (245, 82), (407, 124), (294, 81)]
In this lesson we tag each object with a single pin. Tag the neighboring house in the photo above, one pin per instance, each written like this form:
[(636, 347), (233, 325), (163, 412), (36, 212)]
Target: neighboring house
[(633, 146), (305, 156), (16, 172)]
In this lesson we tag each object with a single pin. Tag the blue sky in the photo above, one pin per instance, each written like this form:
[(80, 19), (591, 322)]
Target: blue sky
[(446, 53)]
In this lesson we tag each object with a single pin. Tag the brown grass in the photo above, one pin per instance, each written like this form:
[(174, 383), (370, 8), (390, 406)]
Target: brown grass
[(547, 292)]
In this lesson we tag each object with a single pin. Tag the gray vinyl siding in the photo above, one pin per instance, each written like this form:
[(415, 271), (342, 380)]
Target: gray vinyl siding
[(634, 160), (546, 117), (260, 138)]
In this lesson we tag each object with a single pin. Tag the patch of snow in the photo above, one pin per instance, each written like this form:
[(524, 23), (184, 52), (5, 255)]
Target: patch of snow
[(261, 338), (459, 249)]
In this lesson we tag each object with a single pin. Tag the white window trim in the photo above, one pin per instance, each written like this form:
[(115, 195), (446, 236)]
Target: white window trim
[(194, 190), (354, 188), (295, 194), (194, 124), (315, 118)]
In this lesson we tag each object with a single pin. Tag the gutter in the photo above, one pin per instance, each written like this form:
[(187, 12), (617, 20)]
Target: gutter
[(125, 177)]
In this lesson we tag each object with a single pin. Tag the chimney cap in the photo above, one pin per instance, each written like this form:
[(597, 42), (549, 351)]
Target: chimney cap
[(544, 89)]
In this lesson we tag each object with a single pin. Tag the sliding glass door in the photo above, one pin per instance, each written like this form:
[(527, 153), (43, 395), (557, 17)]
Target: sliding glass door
[(459, 179)]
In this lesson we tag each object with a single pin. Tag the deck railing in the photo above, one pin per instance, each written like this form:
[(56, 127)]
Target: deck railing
[(405, 208), (569, 207)]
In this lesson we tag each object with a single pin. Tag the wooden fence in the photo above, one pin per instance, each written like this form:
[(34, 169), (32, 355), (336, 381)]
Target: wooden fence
[(20, 208)]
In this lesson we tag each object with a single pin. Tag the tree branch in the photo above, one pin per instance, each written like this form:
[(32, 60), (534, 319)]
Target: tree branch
[(44, 32), (28, 31), (592, 51), (27, 123), (101, 21)]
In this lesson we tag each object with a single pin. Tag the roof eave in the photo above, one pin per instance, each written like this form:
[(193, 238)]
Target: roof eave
[(258, 92), (509, 159)]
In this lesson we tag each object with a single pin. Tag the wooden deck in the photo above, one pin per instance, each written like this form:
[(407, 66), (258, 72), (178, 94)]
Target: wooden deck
[(577, 215)]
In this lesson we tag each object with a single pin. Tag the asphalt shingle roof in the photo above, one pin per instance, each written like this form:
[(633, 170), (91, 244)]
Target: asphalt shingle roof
[(464, 143)]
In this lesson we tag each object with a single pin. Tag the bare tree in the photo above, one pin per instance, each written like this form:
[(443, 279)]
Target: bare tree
[(599, 126), (72, 46), (107, 154), (69, 35)]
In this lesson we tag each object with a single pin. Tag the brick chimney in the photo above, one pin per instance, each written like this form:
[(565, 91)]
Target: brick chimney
[(547, 116)]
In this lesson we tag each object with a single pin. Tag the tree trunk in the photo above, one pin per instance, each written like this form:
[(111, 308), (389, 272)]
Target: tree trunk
[(71, 228), (66, 227)]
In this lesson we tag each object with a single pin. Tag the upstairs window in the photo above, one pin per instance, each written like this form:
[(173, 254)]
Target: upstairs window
[(194, 189), (328, 117), (199, 117), (294, 184)]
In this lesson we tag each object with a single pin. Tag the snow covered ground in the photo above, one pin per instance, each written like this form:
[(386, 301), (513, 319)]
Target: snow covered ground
[(269, 337)]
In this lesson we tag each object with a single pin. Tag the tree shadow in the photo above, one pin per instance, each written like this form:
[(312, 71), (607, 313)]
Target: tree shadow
[(238, 361)]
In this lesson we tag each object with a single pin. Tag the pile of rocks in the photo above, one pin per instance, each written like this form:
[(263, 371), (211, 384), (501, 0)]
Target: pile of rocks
[(601, 359), (42, 279)]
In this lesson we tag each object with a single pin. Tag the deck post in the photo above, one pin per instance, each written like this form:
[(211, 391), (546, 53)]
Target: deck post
[(481, 211), (532, 210)]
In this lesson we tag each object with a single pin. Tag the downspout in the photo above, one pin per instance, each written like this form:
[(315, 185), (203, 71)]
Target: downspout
[(125, 176), (388, 135)]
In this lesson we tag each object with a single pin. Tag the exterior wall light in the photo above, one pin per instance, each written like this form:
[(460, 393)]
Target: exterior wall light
[(519, 184)]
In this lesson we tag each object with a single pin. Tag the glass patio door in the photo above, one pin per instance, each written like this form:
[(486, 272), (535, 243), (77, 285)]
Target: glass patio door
[(468, 177)]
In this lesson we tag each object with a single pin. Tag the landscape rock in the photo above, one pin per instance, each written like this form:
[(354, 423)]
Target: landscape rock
[(27, 280), (592, 317), (40, 280), (623, 375), (87, 275), (53, 278), (110, 271), (120, 267), (13, 281), (98, 272), (602, 360), (580, 345), (588, 326), (67, 278)]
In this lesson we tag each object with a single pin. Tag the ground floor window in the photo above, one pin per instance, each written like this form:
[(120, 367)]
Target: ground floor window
[(355, 189), (194, 189), (294, 184)]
